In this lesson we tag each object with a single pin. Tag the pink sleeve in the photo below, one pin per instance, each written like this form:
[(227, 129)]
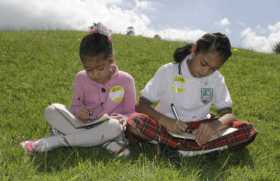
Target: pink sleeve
[(130, 98), (78, 96)]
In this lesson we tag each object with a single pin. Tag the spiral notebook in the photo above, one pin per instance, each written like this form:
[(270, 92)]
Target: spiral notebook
[(191, 136), (76, 123)]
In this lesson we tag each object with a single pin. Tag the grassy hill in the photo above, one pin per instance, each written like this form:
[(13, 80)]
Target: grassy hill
[(38, 67)]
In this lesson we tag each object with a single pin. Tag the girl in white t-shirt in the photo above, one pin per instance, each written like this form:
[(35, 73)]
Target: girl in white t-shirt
[(184, 92)]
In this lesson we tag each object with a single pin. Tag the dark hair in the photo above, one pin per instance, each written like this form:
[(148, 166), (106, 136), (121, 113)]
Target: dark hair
[(209, 42), (94, 44)]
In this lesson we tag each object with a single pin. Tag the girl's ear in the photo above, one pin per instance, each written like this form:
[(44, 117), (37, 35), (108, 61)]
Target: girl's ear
[(194, 49), (112, 59)]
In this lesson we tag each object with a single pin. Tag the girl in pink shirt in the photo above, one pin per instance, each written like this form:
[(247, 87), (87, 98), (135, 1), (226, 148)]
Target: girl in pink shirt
[(100, 89)]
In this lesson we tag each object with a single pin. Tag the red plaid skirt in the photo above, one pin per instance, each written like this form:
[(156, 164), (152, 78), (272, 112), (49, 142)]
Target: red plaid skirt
[(148, 127)]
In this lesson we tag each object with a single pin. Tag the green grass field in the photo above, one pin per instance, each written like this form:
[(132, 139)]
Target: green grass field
[(38, 67)]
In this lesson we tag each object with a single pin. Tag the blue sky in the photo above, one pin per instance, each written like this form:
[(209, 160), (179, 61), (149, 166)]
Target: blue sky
[(249, 24)]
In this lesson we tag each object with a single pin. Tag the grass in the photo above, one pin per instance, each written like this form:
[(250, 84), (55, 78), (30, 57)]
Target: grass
[(38, 67)]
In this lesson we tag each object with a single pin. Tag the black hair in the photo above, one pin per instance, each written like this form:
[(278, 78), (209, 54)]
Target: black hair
[(94, 44), (209, 42)]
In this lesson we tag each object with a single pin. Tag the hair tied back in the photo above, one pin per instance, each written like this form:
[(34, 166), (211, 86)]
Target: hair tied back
[(101, 29)]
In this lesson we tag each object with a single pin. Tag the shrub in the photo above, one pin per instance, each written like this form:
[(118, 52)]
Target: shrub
[(276, 48)]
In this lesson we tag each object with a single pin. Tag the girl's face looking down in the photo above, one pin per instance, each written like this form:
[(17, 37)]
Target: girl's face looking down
[(98, 67), (204, 64)]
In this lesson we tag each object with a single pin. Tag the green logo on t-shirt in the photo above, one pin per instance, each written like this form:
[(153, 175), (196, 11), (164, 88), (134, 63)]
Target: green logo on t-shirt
[(206, 95)]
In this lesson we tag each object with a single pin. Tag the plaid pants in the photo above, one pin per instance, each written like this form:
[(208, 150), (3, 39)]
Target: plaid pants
[(150, 128)]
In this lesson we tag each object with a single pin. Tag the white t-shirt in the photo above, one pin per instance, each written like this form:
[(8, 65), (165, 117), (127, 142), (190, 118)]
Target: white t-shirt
[(191, 96)]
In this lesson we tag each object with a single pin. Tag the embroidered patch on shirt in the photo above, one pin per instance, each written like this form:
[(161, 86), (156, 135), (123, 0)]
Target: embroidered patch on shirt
[(116, 94), (178, 85), (206, 95)]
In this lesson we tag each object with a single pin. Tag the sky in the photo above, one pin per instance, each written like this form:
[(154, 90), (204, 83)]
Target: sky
[(250, 24)]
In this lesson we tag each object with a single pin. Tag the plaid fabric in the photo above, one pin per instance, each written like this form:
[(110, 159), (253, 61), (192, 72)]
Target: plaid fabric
[(153, 131)]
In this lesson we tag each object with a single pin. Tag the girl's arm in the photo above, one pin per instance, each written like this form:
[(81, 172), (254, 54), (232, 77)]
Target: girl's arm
[(145, 106), (77, 107), (208, 129), (225, 116)]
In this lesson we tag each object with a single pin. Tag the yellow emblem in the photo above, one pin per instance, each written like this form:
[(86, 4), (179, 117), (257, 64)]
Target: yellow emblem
[(116, 93), (178, 85)]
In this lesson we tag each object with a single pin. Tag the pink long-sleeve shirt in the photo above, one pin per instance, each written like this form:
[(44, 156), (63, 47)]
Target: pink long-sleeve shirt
[(118, 95)]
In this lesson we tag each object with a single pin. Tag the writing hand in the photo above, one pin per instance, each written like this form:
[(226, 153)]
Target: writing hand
[(83, 114), (175, 126), (206, 131)]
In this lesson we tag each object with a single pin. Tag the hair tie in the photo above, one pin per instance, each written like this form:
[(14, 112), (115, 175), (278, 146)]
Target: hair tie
[(101, 29)]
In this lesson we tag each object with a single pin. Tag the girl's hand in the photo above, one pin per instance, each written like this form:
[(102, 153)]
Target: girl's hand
[(175, 126), (83, 114), (206, 131)]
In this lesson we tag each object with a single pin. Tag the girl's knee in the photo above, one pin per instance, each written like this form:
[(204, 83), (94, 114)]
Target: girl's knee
[(52, 110), (115, 128)]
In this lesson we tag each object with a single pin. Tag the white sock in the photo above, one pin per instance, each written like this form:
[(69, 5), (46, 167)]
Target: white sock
[(49, 143)]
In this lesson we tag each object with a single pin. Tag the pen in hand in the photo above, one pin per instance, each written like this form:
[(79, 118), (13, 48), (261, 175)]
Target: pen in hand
[(174, 111), (180, 125)]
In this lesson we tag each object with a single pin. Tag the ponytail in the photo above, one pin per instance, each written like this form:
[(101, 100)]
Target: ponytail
[(181, 53)]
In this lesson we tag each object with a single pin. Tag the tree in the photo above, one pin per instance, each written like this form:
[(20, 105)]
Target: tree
[(157, 36), (130, 30), (276, 48)]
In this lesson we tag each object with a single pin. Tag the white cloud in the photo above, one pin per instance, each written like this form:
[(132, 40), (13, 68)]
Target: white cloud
[(241, 24), (253, 40), (223, 25), (67, 14), (186, 34), (136, 5), (18, 14), (227, 31), (224, 22), (80, 14), (260, 29), (143, 4)]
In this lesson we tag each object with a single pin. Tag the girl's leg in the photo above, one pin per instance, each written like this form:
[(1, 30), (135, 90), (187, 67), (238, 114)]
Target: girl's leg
[(144, 125), (246, 136), (243, 135), (55, 116), (98, 135)]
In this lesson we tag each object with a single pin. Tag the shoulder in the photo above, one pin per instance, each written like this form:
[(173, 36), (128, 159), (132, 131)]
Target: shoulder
[(125, 76), (81, 75), (124, 79), (217, 77), (166, 68)]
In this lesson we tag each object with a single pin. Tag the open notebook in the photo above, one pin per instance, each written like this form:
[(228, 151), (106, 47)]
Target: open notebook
[(76, 123), (191, 136)]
